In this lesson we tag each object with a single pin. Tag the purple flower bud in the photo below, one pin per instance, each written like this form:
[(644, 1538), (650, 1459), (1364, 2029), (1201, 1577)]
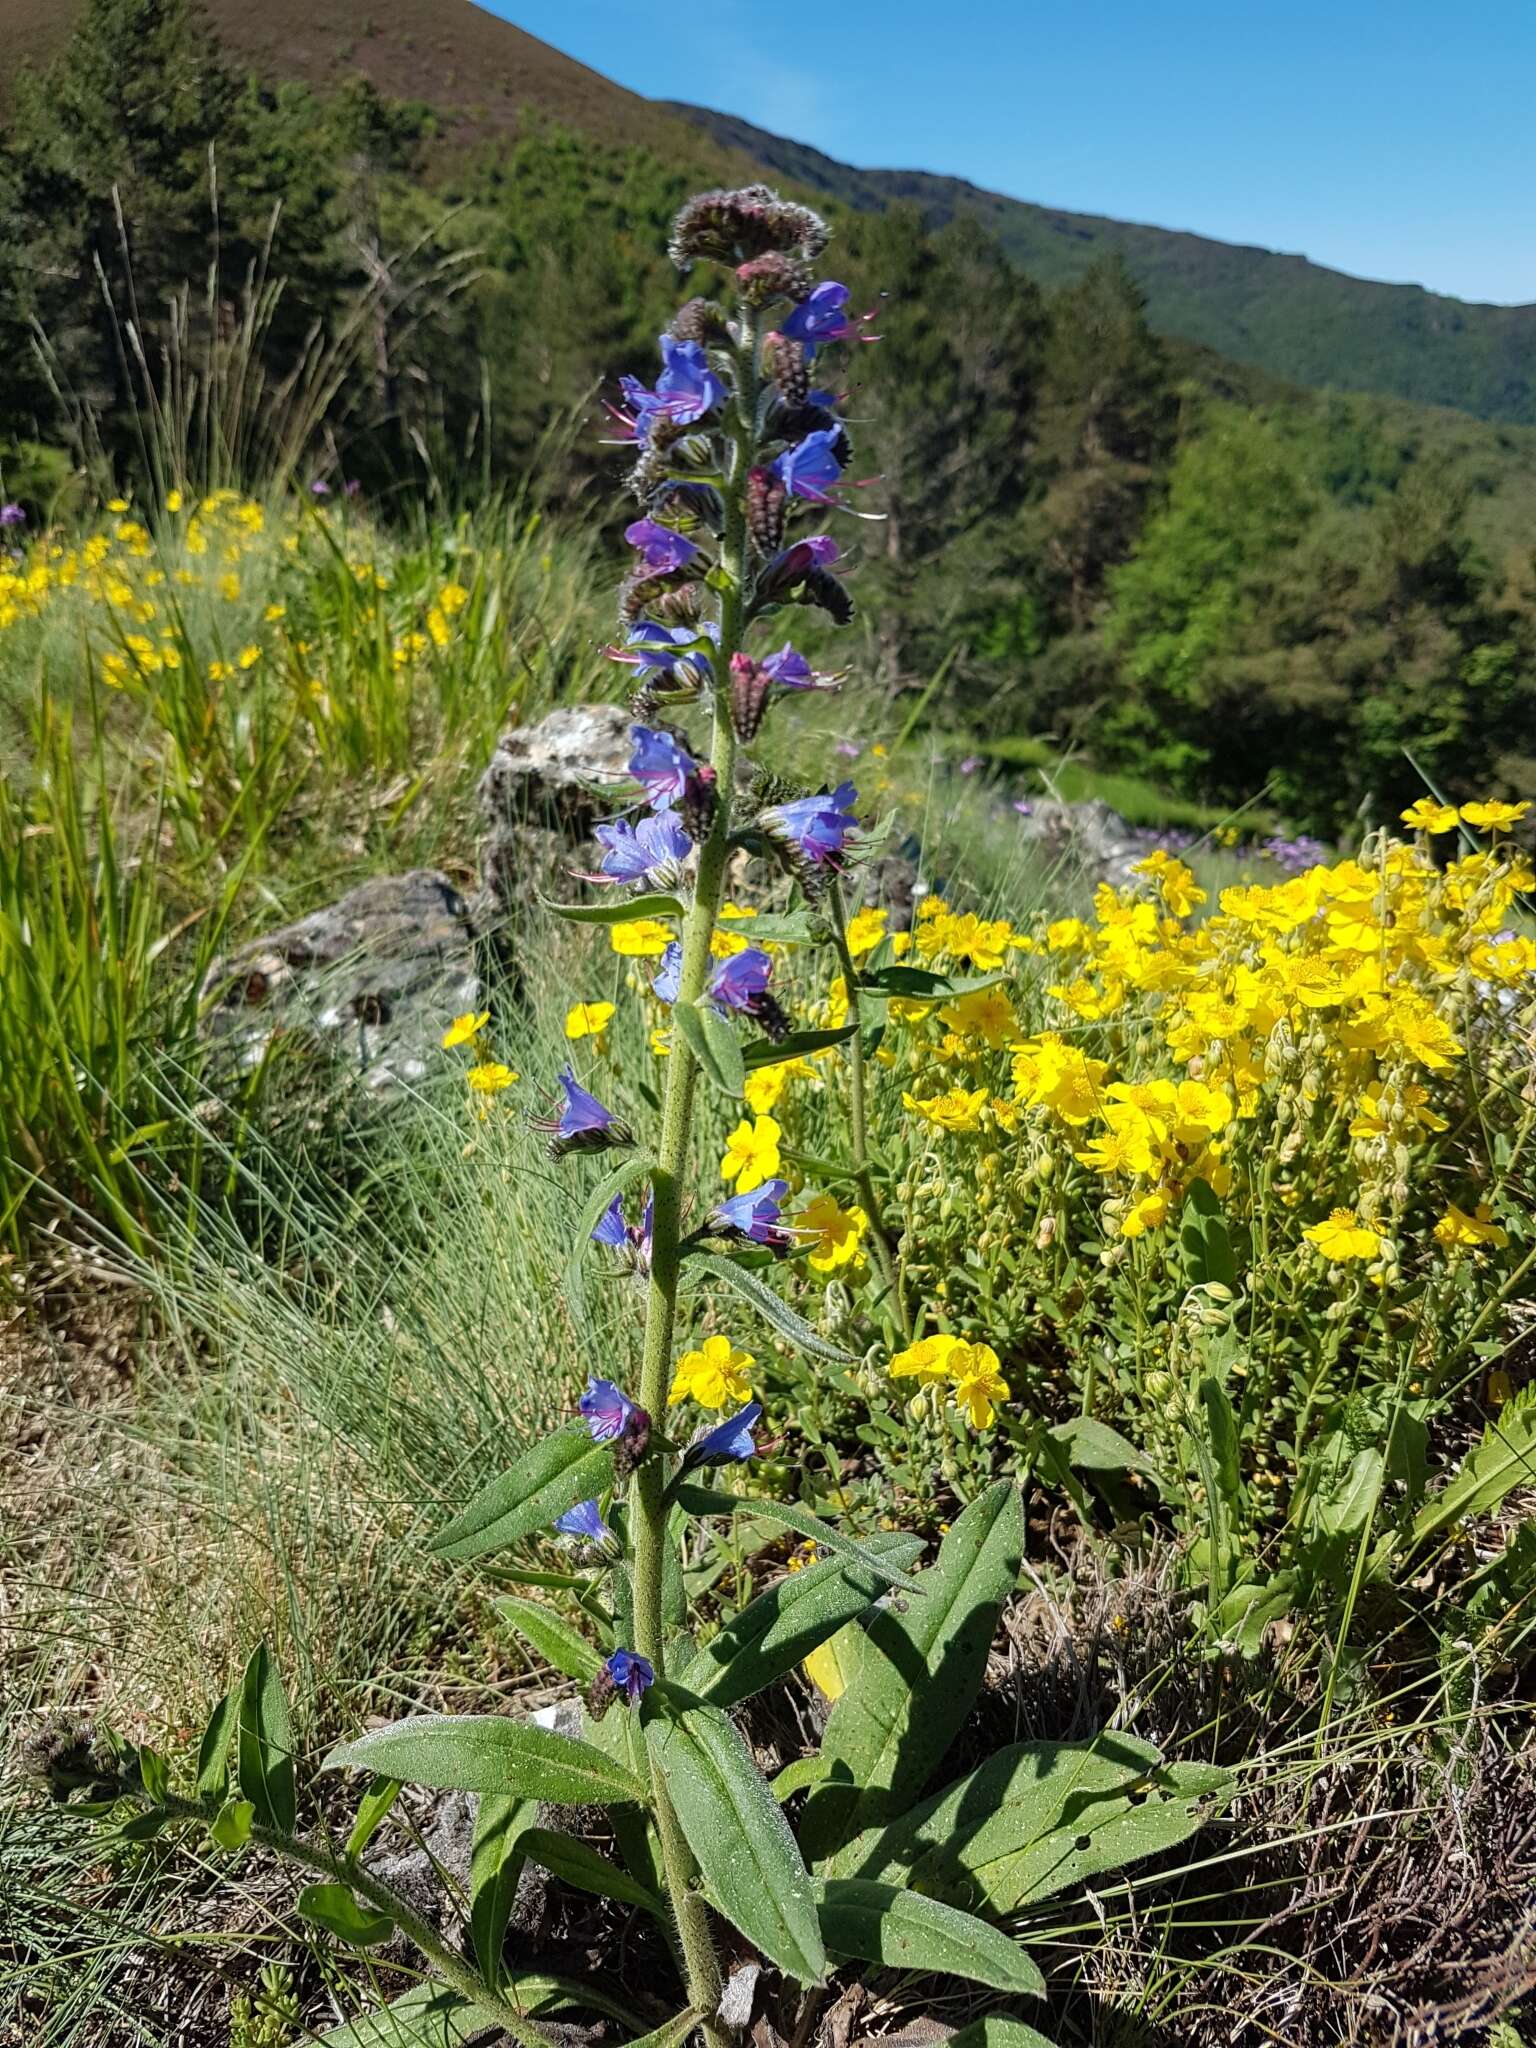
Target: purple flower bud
[(652, 851), (661, 549), (663, 769), (766, 500), (319, 488), (814, 829), (779, 577), (585, 1521), (728, 1442), (750, 684), (583, 1125), (739, 980), (13, 515), (820, 318), (788, 365), (754, 1217), (811, 468), (669, 975)]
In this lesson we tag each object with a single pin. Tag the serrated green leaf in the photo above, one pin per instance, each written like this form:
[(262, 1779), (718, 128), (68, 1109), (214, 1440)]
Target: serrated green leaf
[(705, 1500), (426, 2016), (550, 1477), (624, 911), (577, 1863), (488, 1753), (566, 1648), (714, 1045), (917, 1666), (372, 1811), (231, 1829), (741, 1841), (782, 1626), (799, 1045), (886, 1923), (265, 1744), (776, 1313), (333, 1907), (495, 1865), (213, 1750)]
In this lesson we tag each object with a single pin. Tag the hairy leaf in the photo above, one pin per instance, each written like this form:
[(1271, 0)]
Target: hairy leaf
[(333, 1907), (886, 1923), (705, 1500), (578, 1863), (487, 1753), (799, 1045), (1505, 1459), (426, 2016), (213, 1750), (714, 1045), (621, 911), (778, 1314), (745, 1851), (566, 1648), (373, 1810), (551, 1476), (495, 1864), (265, 1745)]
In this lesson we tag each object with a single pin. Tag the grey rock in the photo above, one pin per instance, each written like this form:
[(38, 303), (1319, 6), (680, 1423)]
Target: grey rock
[(1088, 835), (544, 791), (372, 978)]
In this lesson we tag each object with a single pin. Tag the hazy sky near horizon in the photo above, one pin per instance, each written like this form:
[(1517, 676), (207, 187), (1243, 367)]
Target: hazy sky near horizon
[(1393, 141)]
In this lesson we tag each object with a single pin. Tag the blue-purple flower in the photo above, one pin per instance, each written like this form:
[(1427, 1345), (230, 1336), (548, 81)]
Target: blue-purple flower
[(754, 1217), (608, 1410), (13, 515), (665, 771), (668, 977), (685, 391), (739, 981), (652, 851), (728, 1442), (615, 1230), (820, 318), (631, 1673), (811, 469), (658, 649), (583, 1125), (789, 668), (662, 549), (584, 1521), (814, 829), (319, 488)]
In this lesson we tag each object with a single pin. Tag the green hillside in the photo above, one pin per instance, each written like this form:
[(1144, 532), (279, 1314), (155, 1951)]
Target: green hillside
[(1281, 312)]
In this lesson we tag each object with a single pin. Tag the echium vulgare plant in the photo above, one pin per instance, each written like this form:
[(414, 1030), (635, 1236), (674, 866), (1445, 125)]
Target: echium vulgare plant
[(876, 1869)]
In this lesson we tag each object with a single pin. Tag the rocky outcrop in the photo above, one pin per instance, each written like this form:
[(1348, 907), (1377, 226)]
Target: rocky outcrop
[(546, 787), (370, 979), (1088, 836)]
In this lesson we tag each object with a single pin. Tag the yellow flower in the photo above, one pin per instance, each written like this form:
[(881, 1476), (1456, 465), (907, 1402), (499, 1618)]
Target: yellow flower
[(229, 588), (640, 938), (978, 1382), (825, 1668), (1456, 1228), (865, 931), (764, 1086), (1426, 815), (926, 1361), (1150, 1213), (452, 598), (985, 1013), (490, 1077), (248, 656), (588, 1020), (439, 628), (1343, 1236), (715, 1375), (465, 1029), (959, 1109), (837, 1233), (661, 1044), (1176, 883), (274, 612), (752, 1154), (1493, 815)]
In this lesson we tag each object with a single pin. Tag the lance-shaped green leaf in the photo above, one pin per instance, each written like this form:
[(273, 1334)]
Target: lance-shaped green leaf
[(552, 1636), (495, 1865), (714, 1045), (372, 1811), (601, 1200), (776, 1313), (213, 1750), (917, 1667), (740, 1839), (550, 1477), (1503, 1460), (705, 1500), (265, 1744), (998, 2033), (487, 1753), (1036, 1819), (426, 2016), (786, 928), (578, 1863), (799, 1045), (623, 910), (671, 2033), (782, 1626), (333, 1907), (886, 1923)]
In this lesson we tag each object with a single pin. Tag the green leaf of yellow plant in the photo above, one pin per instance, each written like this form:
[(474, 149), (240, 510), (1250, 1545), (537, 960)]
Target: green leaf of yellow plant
[(487, 1753), (232, 1828), (551, 1476)]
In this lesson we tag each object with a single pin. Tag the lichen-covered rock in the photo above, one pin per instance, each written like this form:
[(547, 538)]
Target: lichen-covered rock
[(1089, 836), (544, 791), (371, 979)]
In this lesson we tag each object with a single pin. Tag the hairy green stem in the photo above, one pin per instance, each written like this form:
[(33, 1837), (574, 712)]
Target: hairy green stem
[(324, 1862), (887, 1245), (649, 1520)]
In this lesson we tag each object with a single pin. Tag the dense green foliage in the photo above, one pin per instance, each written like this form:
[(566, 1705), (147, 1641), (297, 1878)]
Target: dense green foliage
[(1084, 533)]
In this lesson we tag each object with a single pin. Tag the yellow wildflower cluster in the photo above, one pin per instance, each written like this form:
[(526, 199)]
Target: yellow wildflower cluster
[(969, 1375)]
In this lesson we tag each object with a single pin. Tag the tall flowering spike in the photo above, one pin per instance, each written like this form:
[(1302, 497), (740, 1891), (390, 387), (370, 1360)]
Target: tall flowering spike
[(733, 227), (583, 1125)]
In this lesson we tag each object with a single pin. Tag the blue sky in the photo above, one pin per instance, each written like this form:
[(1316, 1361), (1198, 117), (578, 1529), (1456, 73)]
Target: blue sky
[(1393, 141)]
